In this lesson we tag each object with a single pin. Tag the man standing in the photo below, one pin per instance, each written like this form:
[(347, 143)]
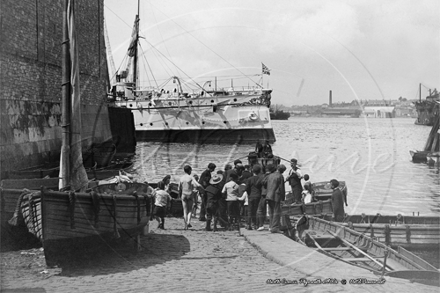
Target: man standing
[(187, 185), (267, 150), (204, 181), (294, 179), (275, 194), (213, 195), (231, 191), (253, 189), (338, 200)]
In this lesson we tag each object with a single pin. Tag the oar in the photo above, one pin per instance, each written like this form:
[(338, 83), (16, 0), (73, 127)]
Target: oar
[(355, 248), (338, 257), (299, 165)]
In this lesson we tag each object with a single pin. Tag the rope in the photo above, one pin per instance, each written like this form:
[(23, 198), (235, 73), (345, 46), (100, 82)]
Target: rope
[(31, 225), (138, 206), (96, 208), (14, 220), (115, 228), (72, 200)]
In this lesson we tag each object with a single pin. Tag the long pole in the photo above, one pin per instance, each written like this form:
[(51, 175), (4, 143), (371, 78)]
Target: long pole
[(65, 102), (135, 58)]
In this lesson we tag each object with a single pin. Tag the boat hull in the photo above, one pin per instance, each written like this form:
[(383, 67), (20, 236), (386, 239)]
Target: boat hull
[(320, 208), (67, 223), (206, 135), (419, 156), (356, 248), (206, 122), (323, 191), (411, 232)]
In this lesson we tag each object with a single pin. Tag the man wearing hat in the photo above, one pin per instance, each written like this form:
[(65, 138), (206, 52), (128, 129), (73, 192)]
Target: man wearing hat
[(204, 181), (213, 195), (238, 169), (253, 189), (274, 183), (294, 179), (338, 200)]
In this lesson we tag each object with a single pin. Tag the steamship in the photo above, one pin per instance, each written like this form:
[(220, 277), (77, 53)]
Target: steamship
[(206, 113), (428, 109)]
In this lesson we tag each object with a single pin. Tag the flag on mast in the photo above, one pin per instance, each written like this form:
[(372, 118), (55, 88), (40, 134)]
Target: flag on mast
[(265, 69)]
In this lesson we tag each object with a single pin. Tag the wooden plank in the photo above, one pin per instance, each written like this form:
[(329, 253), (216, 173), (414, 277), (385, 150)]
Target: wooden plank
[(355, 248), (337, 248), (419, 261), (361, 259)]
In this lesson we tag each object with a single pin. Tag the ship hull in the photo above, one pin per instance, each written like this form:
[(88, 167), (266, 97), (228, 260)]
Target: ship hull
[(203, 123), (206, 135)]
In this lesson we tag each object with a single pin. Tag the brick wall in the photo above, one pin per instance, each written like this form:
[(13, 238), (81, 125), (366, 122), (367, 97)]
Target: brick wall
[(30, 79)]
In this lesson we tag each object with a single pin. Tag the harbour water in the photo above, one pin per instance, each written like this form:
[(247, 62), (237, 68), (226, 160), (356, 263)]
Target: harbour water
[(370, 154)]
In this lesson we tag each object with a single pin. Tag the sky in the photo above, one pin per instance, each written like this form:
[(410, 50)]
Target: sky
[(357, 49)]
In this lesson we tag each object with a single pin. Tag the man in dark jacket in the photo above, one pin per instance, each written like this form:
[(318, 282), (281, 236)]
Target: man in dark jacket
[(204, 181), (275, 194), (253, 189), (338, 200), (213, 196), (294, 179)]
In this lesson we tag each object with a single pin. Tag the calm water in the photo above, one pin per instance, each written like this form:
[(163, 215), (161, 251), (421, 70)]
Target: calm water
[(371, 155)]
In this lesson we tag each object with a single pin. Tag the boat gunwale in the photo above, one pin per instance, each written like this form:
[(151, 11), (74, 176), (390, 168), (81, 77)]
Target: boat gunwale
[(339, 229)]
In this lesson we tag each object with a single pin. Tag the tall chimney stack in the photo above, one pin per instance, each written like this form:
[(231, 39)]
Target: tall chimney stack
[(330, 99)]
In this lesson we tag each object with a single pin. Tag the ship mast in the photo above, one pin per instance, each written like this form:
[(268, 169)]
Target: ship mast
[(65, 102), (135, 57)]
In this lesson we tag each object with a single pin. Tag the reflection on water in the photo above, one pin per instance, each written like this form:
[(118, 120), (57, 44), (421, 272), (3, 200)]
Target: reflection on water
[(371, 155)]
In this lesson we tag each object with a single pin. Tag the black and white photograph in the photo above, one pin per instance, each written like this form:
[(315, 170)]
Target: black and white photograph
[(219, 146)]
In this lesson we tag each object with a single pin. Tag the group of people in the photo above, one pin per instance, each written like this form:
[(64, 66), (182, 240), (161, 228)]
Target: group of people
[(227, 195)]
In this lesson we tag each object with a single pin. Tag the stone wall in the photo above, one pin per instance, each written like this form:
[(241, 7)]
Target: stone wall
[(30, 79)]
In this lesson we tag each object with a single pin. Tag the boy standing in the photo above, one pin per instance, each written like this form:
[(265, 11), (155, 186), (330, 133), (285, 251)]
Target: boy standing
[(161, 204), (231, 190)]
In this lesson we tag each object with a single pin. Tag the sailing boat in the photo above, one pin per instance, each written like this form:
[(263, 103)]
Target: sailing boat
[(170, 113), (79, 217)]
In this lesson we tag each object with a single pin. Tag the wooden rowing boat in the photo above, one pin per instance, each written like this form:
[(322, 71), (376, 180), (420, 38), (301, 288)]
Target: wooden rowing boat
[(14, 233), (319, 208), (419, 156), (323, 191), (69, 222), (355, 248), (411, 232)]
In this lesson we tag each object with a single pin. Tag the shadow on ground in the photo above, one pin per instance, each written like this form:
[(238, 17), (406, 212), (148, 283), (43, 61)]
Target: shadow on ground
[(123, 257)]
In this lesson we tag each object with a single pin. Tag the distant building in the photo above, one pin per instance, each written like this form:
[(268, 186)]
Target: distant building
[(379, 112)]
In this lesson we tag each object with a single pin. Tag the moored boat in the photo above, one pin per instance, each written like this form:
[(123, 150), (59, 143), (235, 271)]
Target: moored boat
[(191, 111), (355, 248), (68, 223), (323, 191), (418, 156), (319, 208), (413, 232), (277, 114)]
